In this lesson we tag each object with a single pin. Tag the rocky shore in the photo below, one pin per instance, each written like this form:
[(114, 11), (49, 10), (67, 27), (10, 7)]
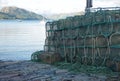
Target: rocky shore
[(32, 71)]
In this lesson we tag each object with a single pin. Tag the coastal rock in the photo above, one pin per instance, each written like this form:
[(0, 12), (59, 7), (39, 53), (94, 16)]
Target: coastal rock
[(58, 72), (32, 71)]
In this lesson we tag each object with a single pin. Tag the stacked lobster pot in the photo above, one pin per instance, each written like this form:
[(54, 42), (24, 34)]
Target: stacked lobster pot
[(91, 39)]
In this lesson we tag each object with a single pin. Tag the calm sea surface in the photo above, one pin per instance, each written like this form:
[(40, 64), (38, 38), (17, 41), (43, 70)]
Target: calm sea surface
[(18, 40)]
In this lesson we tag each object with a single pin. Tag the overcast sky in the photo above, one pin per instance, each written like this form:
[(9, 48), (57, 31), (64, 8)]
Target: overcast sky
[(57, 6)]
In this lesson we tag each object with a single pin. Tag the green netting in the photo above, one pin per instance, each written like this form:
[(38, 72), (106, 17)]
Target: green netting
[(93, 37), (115, 46), (81, 26), (35, 56)]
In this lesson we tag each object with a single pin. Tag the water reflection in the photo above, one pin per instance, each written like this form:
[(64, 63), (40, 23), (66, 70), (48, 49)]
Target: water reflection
[(19, 39)]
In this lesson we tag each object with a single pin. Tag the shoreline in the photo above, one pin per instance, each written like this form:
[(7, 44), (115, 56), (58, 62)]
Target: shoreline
[(33, 71)]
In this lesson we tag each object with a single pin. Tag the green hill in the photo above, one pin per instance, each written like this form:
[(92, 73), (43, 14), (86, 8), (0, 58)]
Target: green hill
[(63, 15), (18, 13)]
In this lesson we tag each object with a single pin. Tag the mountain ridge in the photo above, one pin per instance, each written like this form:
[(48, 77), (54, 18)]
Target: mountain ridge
[(63, 15), (18, 13)]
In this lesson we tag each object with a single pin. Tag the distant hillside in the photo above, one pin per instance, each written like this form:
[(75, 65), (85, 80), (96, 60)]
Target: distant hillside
[(18, 13), (63, 15)]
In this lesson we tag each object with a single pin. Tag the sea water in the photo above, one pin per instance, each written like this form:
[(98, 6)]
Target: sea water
[(19, 39)]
